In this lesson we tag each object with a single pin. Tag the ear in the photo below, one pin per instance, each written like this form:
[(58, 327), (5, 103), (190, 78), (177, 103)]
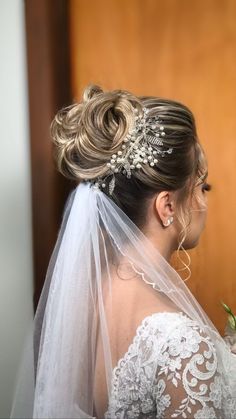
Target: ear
[(165, 206)]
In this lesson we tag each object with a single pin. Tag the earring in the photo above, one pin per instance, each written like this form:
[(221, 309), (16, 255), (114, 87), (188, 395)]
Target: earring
[(168, 222)]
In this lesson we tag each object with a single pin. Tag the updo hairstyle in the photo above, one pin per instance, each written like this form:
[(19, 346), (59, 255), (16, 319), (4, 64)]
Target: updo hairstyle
[(88, 133)]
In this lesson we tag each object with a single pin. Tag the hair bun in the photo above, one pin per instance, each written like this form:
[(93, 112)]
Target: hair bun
[(86, 134), (91, 91)]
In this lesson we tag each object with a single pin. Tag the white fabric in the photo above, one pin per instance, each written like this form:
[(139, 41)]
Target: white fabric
[(170, 370), (103, 279)]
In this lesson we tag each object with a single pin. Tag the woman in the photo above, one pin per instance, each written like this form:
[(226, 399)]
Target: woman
[(117, 332)]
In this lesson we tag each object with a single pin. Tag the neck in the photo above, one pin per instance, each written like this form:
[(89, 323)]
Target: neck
[(163, 238)]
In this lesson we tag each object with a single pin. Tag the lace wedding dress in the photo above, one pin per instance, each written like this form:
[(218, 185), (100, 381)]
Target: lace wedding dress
[(170, 370)]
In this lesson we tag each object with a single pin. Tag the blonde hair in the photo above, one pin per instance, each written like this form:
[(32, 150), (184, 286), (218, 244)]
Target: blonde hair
[(88, 133)]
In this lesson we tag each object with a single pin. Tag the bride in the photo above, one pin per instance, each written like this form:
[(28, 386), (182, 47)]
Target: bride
[(117, 333)]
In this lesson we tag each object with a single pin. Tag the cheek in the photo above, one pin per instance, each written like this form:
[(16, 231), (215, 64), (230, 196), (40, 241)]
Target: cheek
[(202, 218), (203, 209), (198, 223), (195, 230), (198, 220), (199, 206)]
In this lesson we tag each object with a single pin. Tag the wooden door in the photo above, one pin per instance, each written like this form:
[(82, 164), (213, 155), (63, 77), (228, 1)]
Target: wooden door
[(49, 90), (184, 50)]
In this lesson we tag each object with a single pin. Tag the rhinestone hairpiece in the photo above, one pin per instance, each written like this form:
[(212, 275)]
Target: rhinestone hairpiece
[(142, 145)]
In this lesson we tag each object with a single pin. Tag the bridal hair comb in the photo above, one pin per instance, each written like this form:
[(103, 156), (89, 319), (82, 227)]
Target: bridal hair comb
[(142, 145)]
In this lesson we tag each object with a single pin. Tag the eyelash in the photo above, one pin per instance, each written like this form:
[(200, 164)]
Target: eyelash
[(206, 187)]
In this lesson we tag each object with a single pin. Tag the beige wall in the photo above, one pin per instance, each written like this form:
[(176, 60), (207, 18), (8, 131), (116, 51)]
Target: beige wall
[(15, 214)]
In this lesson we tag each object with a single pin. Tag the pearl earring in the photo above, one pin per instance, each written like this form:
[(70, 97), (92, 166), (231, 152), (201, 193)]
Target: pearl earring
[(169, 221)]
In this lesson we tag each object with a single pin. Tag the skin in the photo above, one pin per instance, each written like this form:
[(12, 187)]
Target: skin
[(164, 206)]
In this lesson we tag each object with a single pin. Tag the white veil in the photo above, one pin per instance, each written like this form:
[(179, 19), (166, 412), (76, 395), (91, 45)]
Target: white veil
[(95, 237)]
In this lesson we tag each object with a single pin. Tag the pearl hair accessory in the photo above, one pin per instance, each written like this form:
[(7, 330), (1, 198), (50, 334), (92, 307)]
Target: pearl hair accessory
[(141, 146)]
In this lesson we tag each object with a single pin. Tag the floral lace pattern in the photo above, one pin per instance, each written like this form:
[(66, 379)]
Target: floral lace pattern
[(170, 370)]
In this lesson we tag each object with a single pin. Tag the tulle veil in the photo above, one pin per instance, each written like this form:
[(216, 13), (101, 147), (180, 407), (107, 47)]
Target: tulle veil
[(57, 375)]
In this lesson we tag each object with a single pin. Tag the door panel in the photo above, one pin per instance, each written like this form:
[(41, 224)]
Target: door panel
[(184, 50)]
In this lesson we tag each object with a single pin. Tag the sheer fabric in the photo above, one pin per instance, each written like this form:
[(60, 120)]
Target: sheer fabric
[(105, 284)]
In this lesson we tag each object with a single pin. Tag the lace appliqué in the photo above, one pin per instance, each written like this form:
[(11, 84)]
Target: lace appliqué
[(169, 370)]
